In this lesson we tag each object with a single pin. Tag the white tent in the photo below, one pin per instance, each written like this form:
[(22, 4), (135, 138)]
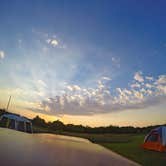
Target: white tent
[(16, 122)]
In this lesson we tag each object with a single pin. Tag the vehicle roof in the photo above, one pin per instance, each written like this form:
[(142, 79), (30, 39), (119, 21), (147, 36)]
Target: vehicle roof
[(15, 117), (50, 149)]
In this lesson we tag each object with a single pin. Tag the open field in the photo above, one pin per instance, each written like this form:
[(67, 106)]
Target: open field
[(133, 151), (128, 145)]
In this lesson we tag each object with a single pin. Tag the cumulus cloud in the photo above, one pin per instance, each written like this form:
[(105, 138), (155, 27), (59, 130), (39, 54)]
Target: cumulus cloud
[(161, 79), (52, 42), (73, 87), (116, 61), (77, 100), (148, 85), (106, 78), (135, 85), (138, 77), (2, 54), (41, 83), (149, 78)]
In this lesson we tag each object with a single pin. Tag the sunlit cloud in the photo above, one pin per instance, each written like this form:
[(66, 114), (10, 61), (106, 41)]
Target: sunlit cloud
[(52, 64), (106, 78), (2, 54), (54, 90), (135, 85), (52, 42), (138, 77), (149, 78), (77, 100), (41, 83), (161, 80)]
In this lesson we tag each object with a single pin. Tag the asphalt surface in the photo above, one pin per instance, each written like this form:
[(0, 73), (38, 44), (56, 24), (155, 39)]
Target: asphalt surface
[(22, 149)]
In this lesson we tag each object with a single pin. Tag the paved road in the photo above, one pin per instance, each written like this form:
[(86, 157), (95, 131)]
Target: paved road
[(22, 149)]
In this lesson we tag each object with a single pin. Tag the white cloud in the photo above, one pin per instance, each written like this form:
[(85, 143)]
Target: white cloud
[(41, 83), (162, 88), (106, 78), (135, 85), (77, 100), (138, 95), (148, 85), (73, 87), (138, 77), (52, 42), (161, 80), (149, 78), (116, 61), (20, 43), (2, 54)]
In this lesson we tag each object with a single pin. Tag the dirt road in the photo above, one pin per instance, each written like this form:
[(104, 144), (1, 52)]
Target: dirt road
[(21, 149)]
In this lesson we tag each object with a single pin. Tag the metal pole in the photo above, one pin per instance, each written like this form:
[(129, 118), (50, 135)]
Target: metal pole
[(8, 103)]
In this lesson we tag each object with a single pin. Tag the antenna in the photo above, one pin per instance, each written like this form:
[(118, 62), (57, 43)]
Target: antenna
[(8, 103)]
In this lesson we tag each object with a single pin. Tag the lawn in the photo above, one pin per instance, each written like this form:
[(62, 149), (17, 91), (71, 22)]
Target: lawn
[(133, 151), (128, 145)]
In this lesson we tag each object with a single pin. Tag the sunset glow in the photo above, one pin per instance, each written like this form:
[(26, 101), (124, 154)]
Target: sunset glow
[(84, 63)]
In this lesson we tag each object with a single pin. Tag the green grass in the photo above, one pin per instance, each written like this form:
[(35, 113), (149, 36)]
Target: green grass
[(102, 138), (37, 129), (135, 152), (128, 145)]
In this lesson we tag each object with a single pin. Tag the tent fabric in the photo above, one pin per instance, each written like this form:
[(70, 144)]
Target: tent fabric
[(15, 117), (16, 122), (162, 132), (164, 135), (158, 130), (156, 139)]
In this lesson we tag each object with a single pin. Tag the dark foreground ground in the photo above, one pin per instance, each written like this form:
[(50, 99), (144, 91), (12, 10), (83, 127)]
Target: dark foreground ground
[(22, 149)]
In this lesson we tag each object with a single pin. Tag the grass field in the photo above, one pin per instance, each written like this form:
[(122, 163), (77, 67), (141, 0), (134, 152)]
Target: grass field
[(128, 145), (133, 151)]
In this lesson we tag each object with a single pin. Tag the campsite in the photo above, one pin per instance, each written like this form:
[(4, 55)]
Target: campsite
[(128, 145), (125, 141), (82, 82)]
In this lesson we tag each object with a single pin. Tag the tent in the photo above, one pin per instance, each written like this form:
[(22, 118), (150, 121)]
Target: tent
[(16, 122), (156, 139)]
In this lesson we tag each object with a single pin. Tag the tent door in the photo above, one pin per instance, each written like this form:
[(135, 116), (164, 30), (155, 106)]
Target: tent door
[(153, 142)]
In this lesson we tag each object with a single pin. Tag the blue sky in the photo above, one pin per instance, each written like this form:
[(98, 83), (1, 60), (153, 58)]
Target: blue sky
[(84, 58)]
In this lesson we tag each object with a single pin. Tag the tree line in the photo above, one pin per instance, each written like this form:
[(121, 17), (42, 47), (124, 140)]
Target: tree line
[(59, 126)]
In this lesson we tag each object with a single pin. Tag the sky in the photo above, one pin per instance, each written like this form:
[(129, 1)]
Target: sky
[(91, 62)]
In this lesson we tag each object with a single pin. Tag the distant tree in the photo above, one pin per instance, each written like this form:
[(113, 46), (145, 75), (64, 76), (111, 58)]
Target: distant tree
[(2, 111), (75, 128), (59, 126), (39, 121), (56, 125)]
